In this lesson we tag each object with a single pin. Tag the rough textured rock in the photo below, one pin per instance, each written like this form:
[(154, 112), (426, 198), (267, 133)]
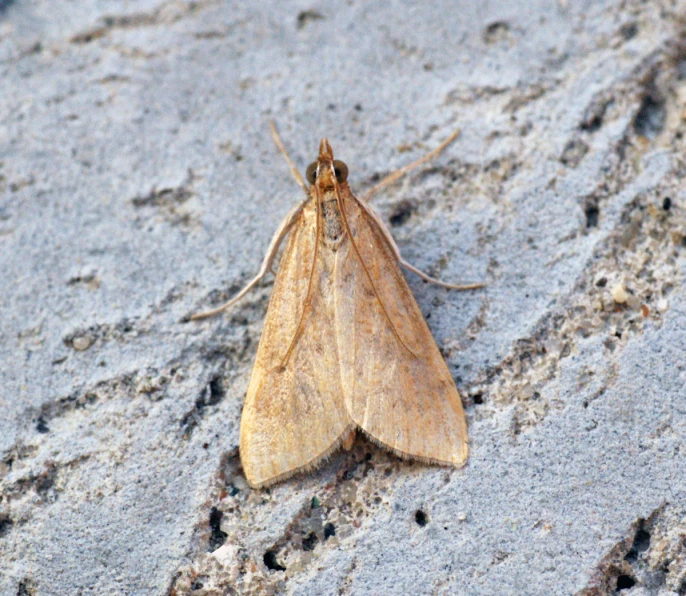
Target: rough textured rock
[(138, 184)]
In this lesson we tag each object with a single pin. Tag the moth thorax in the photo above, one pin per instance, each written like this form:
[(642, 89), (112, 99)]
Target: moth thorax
[(331, 220)]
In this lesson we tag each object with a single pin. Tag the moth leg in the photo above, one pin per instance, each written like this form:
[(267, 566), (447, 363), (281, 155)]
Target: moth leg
[(438, 282), (404, 263), (393, 176), (348, 438), (291, 165), (278, 237)]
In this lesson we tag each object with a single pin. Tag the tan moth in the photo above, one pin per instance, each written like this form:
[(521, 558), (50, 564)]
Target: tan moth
[(344, 345)]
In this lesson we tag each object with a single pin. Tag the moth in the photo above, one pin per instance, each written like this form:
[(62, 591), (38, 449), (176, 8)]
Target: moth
[(344, 345)]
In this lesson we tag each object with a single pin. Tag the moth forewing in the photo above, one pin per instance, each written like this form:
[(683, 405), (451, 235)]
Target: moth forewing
[(398, 390), (294, 415)]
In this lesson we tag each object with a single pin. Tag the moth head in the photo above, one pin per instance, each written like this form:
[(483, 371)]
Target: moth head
[(323, 171)]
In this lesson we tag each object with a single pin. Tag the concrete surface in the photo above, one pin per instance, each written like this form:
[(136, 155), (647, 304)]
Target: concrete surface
[(138, 184)]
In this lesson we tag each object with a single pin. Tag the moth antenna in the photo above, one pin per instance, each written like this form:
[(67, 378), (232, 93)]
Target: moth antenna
[(339, 200), (282, 149), (393, 176)]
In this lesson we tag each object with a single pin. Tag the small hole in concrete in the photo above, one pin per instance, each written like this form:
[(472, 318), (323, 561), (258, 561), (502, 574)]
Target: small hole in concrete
[(329, 530), (641, 541), (271, 562), (592, 215), (310, 541), (624, 582), (629, 31), (217, 537), (650, 118), (402, 212), (640, 544), (421, 518), (5, 524)]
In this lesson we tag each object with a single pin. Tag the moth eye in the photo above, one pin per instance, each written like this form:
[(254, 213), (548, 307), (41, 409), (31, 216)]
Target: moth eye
[(311, 172), (341, 170)]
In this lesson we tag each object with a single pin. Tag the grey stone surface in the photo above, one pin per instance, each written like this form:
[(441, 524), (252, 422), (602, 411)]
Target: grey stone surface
[(138, 184)]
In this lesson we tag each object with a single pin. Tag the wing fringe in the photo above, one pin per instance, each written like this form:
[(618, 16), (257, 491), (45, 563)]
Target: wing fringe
[(311, 464)]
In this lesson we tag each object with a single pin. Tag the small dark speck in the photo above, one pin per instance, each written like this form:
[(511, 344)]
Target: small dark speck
[(667, 203), (331, 107), (196, 585), (205, 445), (496, 32), (306, 16), (41, 426), (602, 282), (358, 107), (421, 518), (478, 399), (629, 31), (329, 530)]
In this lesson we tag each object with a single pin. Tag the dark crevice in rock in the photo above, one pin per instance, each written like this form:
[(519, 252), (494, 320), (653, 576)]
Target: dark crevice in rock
[(26, 587), (210, 395), (217, 537), (6, 524), (650, 118), (651, 556)]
